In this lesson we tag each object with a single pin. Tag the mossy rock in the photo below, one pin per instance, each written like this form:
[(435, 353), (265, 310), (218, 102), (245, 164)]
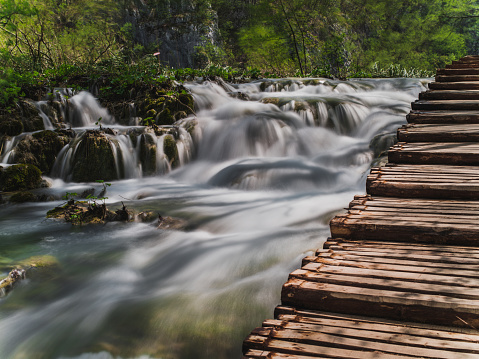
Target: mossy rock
[(271, 100), (41, 148), (180, 115), (190, 126), (11, 128), (165, 117), (94, 158), (148, 154), (186, 101), (41, 266), (30, 117), (20, 177), (22, 197), (171, 151)]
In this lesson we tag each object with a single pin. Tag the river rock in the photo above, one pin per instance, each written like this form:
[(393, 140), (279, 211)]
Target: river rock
[(20, 177), (30, 116), (171, 151), (94, 158), (148, 153), (11, 127), (7, 284), (41, 148), (171, 223)]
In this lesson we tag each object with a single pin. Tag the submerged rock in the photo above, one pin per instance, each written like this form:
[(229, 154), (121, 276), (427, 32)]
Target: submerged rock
[(7, 284), (23, 196), (171, 223)]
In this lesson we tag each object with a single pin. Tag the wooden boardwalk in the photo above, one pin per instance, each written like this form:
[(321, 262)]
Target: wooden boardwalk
[(399, 277)]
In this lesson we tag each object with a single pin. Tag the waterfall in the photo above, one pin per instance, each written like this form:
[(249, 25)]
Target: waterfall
[(256, 174)]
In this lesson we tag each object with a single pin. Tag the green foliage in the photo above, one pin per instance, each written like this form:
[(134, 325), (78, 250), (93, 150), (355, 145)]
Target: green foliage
[(50, 43)]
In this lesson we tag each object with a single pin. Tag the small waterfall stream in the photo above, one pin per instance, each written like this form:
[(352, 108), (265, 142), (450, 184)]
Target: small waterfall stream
[(257, 182)]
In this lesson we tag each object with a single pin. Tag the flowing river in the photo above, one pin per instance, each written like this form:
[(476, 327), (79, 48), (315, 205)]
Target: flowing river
[(258, 183)]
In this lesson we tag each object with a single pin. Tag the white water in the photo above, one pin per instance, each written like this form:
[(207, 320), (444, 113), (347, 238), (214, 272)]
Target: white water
[(257, 188)]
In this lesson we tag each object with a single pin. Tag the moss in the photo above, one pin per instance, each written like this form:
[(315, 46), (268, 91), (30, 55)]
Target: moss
[(148, 154), (11, 128), (22, 197), (20, 177), (30, 117), (187, 101), (271, 100), (44, 266), (180, 115), (94, 158), (165, 118), (190, 126), (300, 106), (171, 151), (41, 148)]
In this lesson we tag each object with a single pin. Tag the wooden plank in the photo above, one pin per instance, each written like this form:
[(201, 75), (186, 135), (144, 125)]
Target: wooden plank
[(425, 182), (368, 337), (438, 133), (462, 65), (360, 260), (450, 95), (404, 230), (372, 258), (448, 250), (387, 283), (458, 71), (464, 85), (434, 309), (407, 276), (379, 324), (450, 105), (443, 153), (260, 354), (456, 78), (416, 116), (342, 341), (287, 347)]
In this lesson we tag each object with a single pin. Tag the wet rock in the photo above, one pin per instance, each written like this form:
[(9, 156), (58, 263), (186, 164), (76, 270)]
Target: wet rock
[(146, 217), (40, 267), (148, 154), (7, 284), (30, 116), (171, 151), (171, 223), (20, 177), (22, 197), (87, 192), (190, 126), (91, 212), (11, 127), (41, 148), (94, 158)]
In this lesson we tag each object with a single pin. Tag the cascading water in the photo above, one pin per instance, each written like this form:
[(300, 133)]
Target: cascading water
[(257, 185)]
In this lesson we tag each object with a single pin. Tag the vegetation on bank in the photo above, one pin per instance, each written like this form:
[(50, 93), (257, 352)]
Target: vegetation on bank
[(78, 43)]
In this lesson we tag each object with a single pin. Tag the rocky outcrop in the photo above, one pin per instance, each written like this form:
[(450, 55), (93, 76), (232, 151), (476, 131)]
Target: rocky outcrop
[(20, 177), (94, 158), (177, 29), (41, 148)]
